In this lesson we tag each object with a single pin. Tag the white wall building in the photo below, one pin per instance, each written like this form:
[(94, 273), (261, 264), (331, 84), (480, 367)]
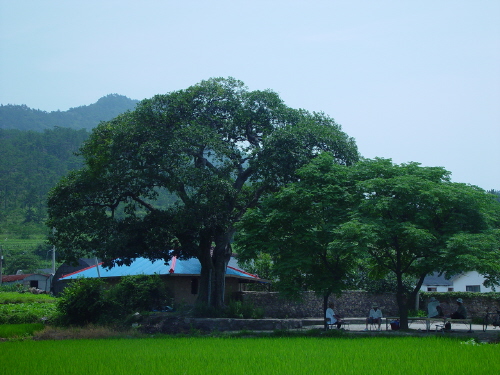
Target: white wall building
[(466, 282)]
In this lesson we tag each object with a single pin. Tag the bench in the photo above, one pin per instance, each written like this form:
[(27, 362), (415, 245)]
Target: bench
[(467, 322), (440, 322), (344, 323)]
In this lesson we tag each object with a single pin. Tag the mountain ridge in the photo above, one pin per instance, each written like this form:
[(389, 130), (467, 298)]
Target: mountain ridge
[(22, 117)]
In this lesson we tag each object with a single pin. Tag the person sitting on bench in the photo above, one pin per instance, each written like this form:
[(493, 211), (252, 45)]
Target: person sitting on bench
[(434, 309), (375, 317), (331, 317), (461, 312)]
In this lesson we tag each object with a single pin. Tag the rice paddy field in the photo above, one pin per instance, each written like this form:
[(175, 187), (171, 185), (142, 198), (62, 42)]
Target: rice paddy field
[(19, 330), (262, 356)]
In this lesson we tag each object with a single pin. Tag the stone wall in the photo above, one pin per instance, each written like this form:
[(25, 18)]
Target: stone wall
[(476, 306), (350, 304), (164, 323), (356, 304)]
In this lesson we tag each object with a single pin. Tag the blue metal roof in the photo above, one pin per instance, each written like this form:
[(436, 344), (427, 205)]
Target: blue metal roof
[(143, 266)]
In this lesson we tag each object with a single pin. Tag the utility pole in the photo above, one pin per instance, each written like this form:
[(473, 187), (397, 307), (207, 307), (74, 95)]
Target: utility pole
[(1, 264), (53, 260)]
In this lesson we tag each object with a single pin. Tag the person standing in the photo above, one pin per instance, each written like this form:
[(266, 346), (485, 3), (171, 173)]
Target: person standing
[(375, 317)]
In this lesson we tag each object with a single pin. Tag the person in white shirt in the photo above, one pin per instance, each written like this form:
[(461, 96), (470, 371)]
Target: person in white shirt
[(433, 308), (375, 317), (331, 316)]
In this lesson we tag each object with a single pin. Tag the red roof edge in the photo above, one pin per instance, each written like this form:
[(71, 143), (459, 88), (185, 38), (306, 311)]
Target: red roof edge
[(172, 264), (246, 273), (80, 270)]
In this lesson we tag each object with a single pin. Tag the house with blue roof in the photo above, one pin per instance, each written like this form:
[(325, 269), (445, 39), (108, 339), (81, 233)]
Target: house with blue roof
[(180, 276)]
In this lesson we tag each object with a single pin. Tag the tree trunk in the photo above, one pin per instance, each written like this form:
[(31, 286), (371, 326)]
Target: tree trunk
[(204, 287), (402, 302), (221, 256), (325, 306), (213, 271), (206, 273)]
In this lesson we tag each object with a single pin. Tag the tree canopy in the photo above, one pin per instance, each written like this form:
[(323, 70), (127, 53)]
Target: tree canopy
[(407, 220), (215, 147)]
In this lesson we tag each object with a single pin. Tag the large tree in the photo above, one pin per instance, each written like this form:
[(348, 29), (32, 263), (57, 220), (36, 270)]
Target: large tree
[(408, 221), (213, 148), (298, 227)]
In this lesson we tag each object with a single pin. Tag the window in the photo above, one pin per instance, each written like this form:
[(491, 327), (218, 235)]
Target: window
[(431, 289), (34, 284), (451, 289), (473, 288), (194, 286)]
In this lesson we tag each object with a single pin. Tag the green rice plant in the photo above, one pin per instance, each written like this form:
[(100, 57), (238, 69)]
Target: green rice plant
[(248, 356), (19, 330)]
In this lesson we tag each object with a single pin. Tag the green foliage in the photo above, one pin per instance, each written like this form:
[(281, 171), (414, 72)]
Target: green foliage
[(29, 256), (203, 310), (417, 313), (17, 308), (92, 301), (26, 313), (31, 164), (362, 279), (16, 297), (82, 302), (299, 228), (139, 293), (37, 149), (262, 266), (8, 288), (453, 296), (243, 310), (402, 220), (215, 147)]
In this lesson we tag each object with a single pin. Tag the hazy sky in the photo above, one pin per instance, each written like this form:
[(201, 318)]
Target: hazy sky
[(409, 80)]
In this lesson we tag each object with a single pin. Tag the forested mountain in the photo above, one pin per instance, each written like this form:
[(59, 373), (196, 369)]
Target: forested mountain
[(37, 149), (84, 117), (31, 163)]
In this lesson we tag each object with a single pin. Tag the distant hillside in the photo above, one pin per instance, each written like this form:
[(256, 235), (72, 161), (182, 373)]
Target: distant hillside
[(86, 117)]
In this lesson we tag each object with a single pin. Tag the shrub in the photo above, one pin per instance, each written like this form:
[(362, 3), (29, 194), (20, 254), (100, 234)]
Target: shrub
[(89, 301), (82, 302), (202, 310), (9, 288), (243, 310), (417, 313), (139, 293)]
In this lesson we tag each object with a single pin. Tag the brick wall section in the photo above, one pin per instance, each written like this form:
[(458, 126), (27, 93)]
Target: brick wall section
[(354, 304)]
